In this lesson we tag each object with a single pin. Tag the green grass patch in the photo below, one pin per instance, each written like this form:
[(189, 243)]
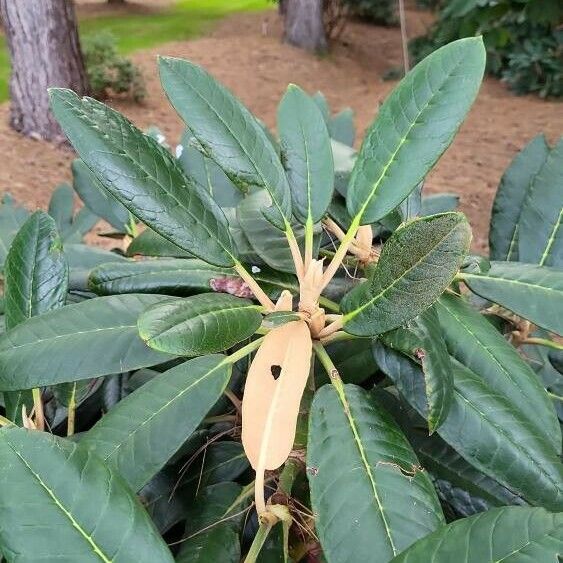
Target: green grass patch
[(185, 19)]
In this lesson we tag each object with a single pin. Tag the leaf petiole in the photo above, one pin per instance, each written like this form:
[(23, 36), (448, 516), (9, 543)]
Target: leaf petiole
[(244, 351), (263, 299)]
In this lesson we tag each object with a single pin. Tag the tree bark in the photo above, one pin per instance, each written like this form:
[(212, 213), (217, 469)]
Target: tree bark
[(304, 24), (45, 51)]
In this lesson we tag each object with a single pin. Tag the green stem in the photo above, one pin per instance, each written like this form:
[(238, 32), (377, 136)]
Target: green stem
[(289, 473), (259, 540), (543, 342), (554, 396), (244, 351), (329, 304), (339, 337), (329, 366), (308, 242), (341, 252), (71, 415), (259, 293)]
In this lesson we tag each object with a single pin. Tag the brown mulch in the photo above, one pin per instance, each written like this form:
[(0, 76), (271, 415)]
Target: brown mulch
[(245, 53)]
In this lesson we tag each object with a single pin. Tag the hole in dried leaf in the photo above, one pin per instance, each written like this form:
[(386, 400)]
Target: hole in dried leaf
[(276, 371)]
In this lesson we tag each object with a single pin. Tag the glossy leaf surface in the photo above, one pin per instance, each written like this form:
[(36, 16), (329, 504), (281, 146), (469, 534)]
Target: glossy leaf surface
[(414, 127), (228, 132), (511, 193), (513, 534), (82, 510), (101, 333), (533, 292), (169, 276), (201, 324), (368, 491), (306, 155), (475, 343), (144, 430), (143, 176)]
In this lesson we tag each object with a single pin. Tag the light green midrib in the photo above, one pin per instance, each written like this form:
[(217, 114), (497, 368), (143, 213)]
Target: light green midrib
[(515, 443), (535, 540), (348, 412), (501, 280), (66, 335), (126, 276), (349, 316), (551, 239), (506, 372), (157, 412), (225, 124), (403, 140), (59, 505), (82, 115), (200, 317)]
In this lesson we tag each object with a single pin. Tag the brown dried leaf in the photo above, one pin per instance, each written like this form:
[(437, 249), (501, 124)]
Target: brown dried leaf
[(272, 396)]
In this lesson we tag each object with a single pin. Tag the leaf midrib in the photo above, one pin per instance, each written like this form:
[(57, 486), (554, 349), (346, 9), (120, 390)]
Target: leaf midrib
[(500, 279), (349, 316), (403, 140), (163, 407), (59, 505), (233, 135), (82, 114), (341, 393)]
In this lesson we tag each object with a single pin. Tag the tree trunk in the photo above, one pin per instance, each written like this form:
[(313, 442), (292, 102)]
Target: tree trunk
[(304, 24), (45, 51)]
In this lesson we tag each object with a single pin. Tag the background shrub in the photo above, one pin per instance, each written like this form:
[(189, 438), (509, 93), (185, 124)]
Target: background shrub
[(108, 71), (523, 42)]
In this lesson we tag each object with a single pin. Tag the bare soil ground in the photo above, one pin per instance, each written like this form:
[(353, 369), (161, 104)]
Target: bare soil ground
[(245, 53)]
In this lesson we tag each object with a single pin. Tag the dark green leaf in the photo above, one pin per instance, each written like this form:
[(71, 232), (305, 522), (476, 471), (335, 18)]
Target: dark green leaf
[(414, 127), (208, 538), (474, 342), (82, 258), (515, 534), (144, 430), (150, 243), (219, 462), (144, 177), (368, 491), (422, 342), (12, 217), (269, 243), (486, 429), (540, 239), (36, 271), (98, 200), (61, 207), (61, 503), (439, 203), (172, 277), (35, 281), (80, 341), (533, 292), (417, 264), (201, 324), (228, 133), (341, 127), (204, 172), (306, 155), (514, 185)]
